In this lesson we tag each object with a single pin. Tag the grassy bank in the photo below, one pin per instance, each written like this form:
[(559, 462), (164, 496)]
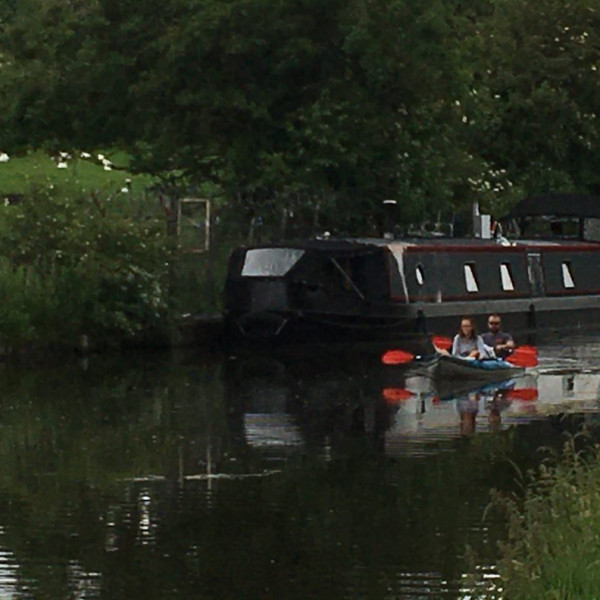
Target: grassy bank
[(553, 546), (87, 252), (70, 176)]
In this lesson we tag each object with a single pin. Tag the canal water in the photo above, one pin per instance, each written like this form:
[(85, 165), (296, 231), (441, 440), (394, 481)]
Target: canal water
[(325, 476)]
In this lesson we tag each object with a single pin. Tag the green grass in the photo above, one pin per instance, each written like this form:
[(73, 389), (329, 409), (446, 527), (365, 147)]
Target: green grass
[(83, 175), (553, 549)]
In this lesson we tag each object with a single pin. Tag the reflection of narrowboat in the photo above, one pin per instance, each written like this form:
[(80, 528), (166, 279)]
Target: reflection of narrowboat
[(540, 269)]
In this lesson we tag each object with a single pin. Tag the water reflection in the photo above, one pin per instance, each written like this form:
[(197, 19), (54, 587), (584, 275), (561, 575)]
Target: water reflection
[(8, 580), (285, 408), (312, 407), (179, 477)]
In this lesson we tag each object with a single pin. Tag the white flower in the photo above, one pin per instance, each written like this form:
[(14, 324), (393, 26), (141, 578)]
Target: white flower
[(85, 155), (4, 157), (107, 168), (62, 165)]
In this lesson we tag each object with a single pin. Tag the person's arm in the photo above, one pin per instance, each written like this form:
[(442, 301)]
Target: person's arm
[(488, 351), (455, 346), (488, 345), (477, 352), (509, 344), (481, 349)]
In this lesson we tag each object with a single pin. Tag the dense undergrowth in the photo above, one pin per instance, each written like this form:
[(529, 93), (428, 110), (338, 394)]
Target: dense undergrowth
[(86, 266), (88, 253), (553, 546)]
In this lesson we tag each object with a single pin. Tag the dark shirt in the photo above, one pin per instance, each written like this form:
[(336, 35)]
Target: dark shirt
[(493, 339)]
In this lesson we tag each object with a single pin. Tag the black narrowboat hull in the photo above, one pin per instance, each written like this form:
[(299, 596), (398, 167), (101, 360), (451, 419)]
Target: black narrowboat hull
[(273, 312), (280, 328), (527, 320), (402, 291)]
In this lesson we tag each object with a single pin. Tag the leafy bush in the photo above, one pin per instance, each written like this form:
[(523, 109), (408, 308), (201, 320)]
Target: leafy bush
[(84, 266)]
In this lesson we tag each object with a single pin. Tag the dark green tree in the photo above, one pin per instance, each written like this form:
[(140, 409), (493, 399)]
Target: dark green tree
[(300, 104), (538, 89)]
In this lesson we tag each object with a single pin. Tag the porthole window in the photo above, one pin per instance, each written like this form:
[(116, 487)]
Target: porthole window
[(419, 275), (567, 276), (506, 278), (471, 278)]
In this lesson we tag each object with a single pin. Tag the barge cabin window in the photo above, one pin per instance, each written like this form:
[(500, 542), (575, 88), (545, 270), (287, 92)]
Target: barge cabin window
[(567, 276), (506, 278), (470, 278), (270, 262), (419, 275)]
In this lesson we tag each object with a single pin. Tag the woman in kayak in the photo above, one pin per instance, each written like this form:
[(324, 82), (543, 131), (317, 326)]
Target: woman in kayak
[(466, 343)]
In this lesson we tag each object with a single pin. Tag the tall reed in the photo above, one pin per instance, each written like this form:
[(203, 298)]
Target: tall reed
[(553, 545)]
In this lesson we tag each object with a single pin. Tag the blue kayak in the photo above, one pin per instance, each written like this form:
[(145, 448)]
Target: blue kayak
[(453, 367)]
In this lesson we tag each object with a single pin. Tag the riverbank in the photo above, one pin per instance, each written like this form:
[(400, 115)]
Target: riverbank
[(553, 545), (204, 331)]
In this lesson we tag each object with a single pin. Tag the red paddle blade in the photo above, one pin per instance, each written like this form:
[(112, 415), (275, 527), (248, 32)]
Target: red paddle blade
[(527, 350), (523, 356), (441, 342), (525, 394), (396, 357), (395, 395)]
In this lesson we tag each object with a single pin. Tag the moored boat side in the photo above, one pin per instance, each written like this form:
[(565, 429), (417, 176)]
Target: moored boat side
[(402, 290)]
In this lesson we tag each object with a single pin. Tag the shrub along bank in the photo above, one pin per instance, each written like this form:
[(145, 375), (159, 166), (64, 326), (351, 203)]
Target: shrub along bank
[(78, 269), (553, 548)]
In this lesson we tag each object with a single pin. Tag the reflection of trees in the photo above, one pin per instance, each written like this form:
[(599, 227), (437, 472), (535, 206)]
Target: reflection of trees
[(80, 509), (328, 400), (73, 440)]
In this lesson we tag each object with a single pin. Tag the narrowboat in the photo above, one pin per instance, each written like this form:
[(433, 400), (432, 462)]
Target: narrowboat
[(539, 267)]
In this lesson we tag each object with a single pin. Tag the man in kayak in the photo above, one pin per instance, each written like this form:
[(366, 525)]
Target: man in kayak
[(499, 340)]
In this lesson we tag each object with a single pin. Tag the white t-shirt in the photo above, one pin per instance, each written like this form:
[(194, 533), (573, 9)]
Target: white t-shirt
[(464, 346)]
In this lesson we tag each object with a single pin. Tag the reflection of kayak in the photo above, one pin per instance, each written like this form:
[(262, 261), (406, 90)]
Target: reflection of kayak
[(453, 367), (446, 389)]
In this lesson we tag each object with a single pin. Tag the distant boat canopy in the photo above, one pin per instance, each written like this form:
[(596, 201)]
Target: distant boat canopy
[(574, 216), (560, 205)]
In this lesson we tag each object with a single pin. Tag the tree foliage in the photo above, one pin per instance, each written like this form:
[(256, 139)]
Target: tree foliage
[(535, 96), (324, 107)]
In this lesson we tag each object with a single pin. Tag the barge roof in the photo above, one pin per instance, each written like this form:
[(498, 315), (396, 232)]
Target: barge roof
[(433, 244)]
